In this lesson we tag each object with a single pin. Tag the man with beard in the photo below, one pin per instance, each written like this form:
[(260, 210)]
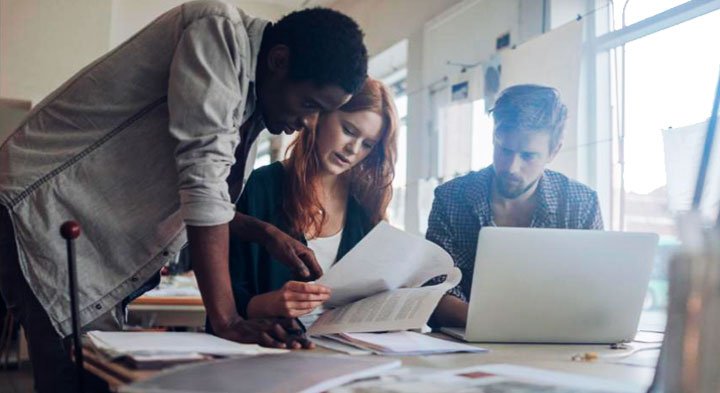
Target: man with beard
[(515, 191)]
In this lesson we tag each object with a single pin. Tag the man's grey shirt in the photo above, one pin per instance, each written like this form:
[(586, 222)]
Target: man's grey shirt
[(463, 206), (133, 147)]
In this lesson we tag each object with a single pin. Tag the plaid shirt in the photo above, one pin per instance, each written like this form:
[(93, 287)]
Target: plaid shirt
[(463, 206)]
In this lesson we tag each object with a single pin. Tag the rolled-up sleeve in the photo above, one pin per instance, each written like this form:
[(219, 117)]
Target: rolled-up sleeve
[(204, 94)]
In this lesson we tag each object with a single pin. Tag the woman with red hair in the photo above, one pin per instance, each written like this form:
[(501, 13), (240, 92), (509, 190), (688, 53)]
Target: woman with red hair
[(332, 189)]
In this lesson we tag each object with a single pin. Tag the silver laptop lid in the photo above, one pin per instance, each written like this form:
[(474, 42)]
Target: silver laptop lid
[(558, 285)]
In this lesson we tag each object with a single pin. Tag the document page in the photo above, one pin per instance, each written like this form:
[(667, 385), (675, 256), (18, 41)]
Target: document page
[(495, 378), (401, 309), (388, 258), (407, 343), (116, 344)]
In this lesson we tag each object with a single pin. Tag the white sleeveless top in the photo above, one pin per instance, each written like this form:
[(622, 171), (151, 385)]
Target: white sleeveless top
[(326, 249)]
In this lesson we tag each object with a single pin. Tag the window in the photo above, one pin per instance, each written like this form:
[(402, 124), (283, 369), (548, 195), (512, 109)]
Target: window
[(396, 210), (263, 156), (637, 10), (465, 140), (669, 84), (482, 147), (662, 90)]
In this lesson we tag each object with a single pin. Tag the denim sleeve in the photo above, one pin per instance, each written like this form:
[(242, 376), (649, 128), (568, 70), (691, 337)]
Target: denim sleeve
[(204, 93), (440, 232)]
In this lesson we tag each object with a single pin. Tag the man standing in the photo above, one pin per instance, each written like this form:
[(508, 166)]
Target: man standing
[(515, 191), (137, 147)]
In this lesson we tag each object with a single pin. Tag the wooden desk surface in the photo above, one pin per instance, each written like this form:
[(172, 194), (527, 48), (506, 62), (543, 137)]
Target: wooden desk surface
[(167, 311), (549, 357)]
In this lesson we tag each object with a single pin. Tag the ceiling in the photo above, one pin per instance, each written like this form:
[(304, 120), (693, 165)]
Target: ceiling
[(297, 4)]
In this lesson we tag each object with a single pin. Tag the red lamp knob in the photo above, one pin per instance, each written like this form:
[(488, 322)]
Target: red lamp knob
[(70, 230)]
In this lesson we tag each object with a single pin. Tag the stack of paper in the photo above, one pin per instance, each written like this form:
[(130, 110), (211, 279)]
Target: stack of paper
[(487, 378), (145, 349), (379, 285), (403, 343)]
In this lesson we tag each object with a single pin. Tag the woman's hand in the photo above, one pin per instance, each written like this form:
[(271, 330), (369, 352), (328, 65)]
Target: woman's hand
[(294, 299)]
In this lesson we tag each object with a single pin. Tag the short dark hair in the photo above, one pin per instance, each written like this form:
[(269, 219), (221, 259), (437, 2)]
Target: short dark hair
[(326, 47), (531, 108)]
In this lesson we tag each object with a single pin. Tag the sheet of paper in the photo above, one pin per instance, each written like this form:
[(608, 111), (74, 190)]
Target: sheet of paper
[(408, 343), (341, 347), (156, 343), (496, 378), (401, 309), (567, 380), (386, 259)]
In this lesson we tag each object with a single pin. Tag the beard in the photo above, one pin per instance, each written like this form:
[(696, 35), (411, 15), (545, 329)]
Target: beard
[(511, 187)]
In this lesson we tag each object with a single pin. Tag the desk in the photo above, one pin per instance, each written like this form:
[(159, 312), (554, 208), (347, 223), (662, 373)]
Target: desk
[(167, 311), (549, 357)]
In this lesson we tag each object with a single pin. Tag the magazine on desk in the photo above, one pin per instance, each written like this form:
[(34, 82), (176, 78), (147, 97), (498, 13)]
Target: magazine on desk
[(378, 285)]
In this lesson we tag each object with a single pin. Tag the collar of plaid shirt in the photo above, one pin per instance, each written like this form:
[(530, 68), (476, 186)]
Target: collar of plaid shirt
[(479, 196)]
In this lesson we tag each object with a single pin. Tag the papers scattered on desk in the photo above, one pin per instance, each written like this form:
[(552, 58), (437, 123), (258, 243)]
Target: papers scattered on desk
[(293, 372), (179, 346), (377, 286), (402, 343), (337, 346), (495, 378)]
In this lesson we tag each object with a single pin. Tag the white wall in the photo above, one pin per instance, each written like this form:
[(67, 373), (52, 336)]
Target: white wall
[(44, 42), (387, 22), (467, 35), (129, 16)]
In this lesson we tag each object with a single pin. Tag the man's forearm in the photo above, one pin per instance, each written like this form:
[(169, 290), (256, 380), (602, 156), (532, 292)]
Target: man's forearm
[(249, 229), (450, 312), (281, 246), (209, 256)]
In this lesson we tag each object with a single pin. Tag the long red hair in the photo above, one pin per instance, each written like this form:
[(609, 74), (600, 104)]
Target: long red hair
[(370, 181)]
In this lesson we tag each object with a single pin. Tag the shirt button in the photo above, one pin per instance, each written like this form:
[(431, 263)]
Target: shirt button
[(134, 278), (98, 306), (166, 253)]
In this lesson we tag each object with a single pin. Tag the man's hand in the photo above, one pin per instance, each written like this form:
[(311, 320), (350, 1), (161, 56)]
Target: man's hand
[(272, 333), (294, 299), (450, 312), (280, 246), (292, 253)]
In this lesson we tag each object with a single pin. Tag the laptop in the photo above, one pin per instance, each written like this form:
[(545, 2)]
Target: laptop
[(535, 285)]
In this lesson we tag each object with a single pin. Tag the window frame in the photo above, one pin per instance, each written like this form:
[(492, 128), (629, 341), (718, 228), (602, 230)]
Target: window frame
[(603, 57)]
